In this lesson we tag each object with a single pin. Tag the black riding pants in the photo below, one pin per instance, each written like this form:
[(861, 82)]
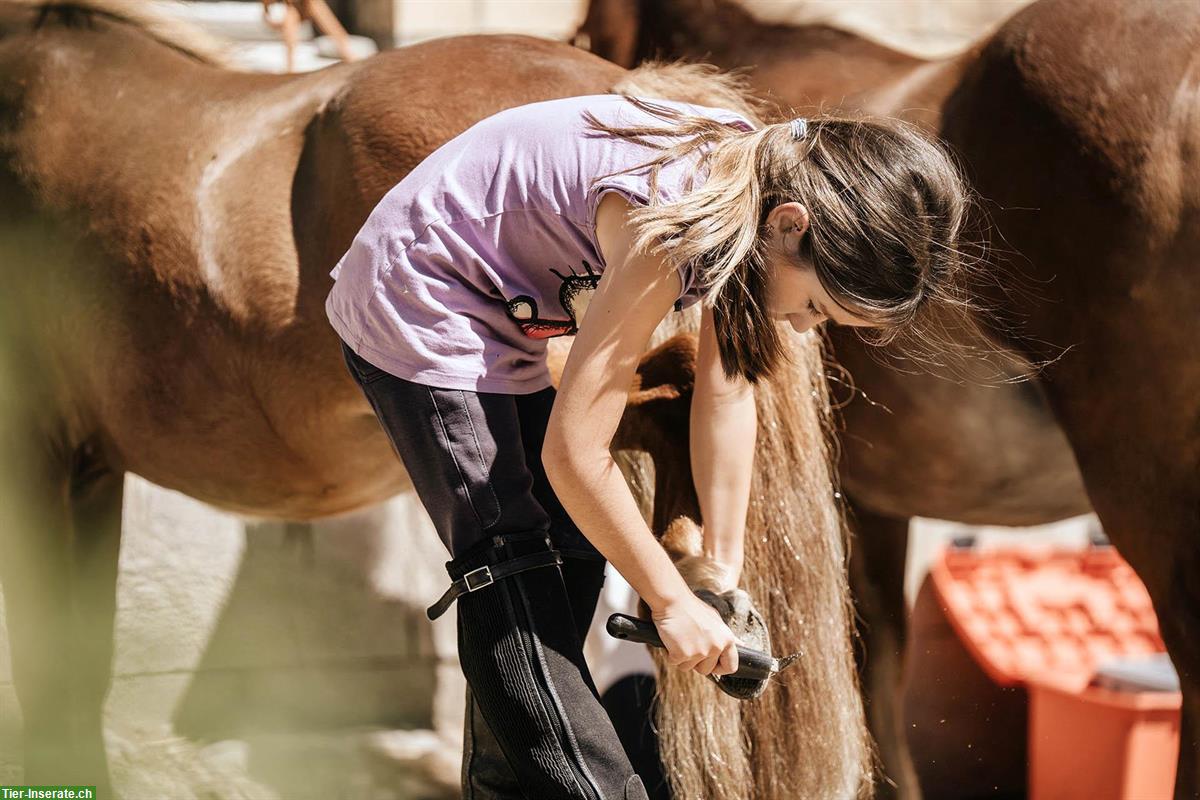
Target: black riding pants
[(475, 459)]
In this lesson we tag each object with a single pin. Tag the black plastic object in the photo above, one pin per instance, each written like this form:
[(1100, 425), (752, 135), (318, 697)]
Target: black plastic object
[(753, 664)]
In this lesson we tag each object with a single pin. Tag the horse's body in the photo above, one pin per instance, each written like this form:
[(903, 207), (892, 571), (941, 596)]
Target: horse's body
[(1079, 123), (167, 227)]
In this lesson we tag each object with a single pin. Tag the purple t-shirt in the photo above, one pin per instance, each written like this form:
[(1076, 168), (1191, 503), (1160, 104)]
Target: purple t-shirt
[(488, 247)]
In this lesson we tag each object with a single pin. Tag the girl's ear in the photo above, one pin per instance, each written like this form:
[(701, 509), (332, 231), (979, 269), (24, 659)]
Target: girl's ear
[(799, 219), (789, 218)]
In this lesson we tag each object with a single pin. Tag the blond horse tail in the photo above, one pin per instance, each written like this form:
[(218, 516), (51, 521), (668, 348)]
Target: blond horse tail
[(805, 736)]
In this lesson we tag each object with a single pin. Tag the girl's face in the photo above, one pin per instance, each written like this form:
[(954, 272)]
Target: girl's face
[(795, 293)]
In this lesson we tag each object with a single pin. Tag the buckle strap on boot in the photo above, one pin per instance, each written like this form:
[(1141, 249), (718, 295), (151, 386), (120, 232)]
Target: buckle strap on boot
[(489, 574)]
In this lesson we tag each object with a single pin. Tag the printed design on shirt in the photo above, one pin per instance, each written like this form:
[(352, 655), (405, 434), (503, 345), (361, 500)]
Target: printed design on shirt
[(574, 294)]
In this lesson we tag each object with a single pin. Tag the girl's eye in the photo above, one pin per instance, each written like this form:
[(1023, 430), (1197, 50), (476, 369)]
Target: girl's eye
[(813, 308)]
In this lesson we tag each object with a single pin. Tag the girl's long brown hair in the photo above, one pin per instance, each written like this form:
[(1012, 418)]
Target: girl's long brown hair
[(887, 206)]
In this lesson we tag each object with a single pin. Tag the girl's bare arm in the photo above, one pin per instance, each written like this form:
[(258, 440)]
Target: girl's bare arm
[(724, 426), (634, 295)]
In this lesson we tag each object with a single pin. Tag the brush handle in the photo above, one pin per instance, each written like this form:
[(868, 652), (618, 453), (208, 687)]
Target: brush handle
[(752, 663)]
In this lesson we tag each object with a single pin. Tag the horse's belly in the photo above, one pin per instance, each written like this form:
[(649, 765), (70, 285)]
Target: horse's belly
[(918, 445), (294, 441)]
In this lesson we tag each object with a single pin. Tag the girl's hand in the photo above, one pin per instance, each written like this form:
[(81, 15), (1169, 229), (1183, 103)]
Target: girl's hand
[(696, 637)]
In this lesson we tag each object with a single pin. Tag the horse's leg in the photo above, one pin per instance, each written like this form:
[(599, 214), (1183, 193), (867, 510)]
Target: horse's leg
[(1179, 618), (327, 22), (291, 33), (877, 558), (1149, 505), (58, 567), (1152, 514), (1132, 422)]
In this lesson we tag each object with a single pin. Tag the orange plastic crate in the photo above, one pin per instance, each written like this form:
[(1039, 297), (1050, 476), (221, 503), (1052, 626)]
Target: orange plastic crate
[(1046, 619), (1101, 745)]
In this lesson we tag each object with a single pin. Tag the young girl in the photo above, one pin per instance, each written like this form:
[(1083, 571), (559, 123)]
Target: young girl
[(625, 208)]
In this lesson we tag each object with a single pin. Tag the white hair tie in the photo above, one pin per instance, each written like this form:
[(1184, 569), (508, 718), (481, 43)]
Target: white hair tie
[(799, 128)]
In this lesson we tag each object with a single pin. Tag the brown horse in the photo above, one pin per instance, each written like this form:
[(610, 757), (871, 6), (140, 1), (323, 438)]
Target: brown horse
[(167, 227), (1078, 122)]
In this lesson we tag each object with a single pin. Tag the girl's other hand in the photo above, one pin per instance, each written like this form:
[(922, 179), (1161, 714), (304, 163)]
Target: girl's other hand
[(696, 637)]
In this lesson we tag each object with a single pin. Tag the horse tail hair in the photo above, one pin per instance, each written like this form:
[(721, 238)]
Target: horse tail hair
[(702, 84), (805, 736)]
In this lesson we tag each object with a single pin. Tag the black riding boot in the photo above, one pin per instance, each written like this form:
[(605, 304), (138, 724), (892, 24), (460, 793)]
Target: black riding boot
[(486, 773), (523, 658)]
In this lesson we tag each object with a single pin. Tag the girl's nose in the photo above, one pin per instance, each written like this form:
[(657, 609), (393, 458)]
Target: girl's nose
[(801, 323)]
